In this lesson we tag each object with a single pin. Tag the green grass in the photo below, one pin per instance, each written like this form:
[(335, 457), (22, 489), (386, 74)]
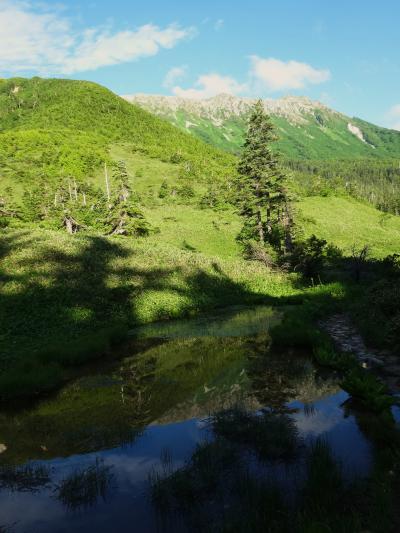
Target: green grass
[(181, 223), (56, 288), (345, 222)]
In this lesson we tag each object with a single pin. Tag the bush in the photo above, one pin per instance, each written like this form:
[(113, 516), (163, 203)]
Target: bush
[(366, 389), (164, 190), (186, 192), (311, 256)]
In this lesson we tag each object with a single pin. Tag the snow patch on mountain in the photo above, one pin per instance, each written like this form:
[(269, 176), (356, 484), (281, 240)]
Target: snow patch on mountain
[(355, 130)]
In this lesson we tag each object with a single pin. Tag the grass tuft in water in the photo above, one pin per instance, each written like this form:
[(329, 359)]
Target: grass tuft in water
[(185, 489), (84, 487), (271, 435)]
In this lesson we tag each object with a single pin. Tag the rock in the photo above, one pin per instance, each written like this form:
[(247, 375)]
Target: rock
[(374, 361)]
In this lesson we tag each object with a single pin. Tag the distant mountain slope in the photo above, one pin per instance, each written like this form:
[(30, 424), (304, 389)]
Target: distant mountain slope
[(307, 129), (56, 112)]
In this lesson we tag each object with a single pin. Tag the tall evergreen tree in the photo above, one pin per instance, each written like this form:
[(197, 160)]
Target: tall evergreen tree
[(261, 185), (124, 216)]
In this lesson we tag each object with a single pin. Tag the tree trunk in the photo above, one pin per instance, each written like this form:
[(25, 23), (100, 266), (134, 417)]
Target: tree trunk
[(269, 224), (288, 224), (71, 225), (107, 183), (260, 227)]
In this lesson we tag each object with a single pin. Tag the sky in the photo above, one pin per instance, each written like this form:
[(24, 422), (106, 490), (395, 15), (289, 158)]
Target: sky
[(345, 53)]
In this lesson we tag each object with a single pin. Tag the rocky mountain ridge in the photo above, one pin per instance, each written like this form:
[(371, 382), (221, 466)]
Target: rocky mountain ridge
[(307, 129), (223, 105)]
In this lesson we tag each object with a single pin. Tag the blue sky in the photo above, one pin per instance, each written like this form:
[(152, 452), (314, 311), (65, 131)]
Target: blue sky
[(345, 53)]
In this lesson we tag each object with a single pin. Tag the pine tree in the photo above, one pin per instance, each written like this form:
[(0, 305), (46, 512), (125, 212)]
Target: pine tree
[(124, 216), (261, 183)]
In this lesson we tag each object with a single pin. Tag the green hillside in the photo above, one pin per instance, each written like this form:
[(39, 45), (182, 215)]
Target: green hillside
[(346, 223), (71, 109)]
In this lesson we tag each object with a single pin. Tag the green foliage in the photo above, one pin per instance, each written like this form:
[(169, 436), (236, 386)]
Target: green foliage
[(325, 355), (368, 390), (379, 312), (186, 191), (29, 155), (126, 218), (216, 197), (87, 348), (261, 185), (374, 181), (311, 256), (164, 190), (58, 294)]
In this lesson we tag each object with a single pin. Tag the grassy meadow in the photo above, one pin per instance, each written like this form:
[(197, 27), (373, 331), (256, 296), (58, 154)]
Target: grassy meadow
[(66, 299), (346, 222)]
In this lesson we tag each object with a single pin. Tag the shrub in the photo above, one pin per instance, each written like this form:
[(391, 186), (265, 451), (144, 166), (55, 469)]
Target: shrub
[(311, 256), (366, 389)]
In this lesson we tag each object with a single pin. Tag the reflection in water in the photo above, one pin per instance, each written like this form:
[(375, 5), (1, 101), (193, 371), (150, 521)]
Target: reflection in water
[(25, 478), (110, 428), (83, 487)]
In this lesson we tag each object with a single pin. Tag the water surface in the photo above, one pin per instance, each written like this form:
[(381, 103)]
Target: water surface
[(114, 425)]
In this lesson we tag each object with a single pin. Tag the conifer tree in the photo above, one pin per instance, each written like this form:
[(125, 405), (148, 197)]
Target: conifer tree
[(124, 216), (261, 186)]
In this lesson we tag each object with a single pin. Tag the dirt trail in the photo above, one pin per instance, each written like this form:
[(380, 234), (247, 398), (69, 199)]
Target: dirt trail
[(347, 339)]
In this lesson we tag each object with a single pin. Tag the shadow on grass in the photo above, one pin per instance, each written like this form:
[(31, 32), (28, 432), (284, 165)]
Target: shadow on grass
[(87, 300), (60, 309)]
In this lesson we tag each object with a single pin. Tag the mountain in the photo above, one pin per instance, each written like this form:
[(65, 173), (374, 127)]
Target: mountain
[(307, 129), (66, 127)]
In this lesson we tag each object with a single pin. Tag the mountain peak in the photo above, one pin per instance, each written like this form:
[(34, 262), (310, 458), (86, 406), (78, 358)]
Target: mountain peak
[(307, 128), (295, 109)]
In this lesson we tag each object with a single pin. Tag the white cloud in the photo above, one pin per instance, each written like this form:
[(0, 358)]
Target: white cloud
[(44, 41), (210, 85), (173, 75), (278, 75), (218, 25), (264, 75), (393, 116)]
